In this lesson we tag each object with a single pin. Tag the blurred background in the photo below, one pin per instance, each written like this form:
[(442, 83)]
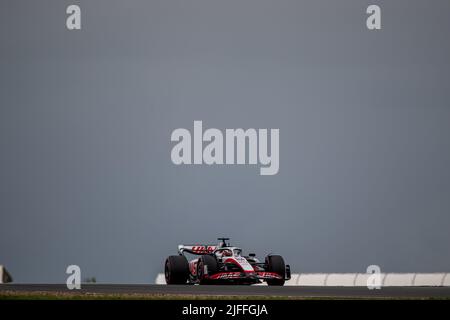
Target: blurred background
[(86, 116)]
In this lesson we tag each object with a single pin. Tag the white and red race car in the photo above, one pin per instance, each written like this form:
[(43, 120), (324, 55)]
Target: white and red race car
[(223, 264)]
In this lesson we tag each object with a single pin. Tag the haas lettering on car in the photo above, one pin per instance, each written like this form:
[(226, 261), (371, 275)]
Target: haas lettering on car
[(203, 249)]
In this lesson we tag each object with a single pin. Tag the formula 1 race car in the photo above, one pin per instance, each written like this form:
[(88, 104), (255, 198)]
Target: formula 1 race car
[(223, 264)]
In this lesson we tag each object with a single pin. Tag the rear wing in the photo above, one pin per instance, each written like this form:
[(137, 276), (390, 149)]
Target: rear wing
[(198, 249)]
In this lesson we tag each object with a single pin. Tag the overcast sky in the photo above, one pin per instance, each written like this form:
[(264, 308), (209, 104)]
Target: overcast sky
[(86, 116)]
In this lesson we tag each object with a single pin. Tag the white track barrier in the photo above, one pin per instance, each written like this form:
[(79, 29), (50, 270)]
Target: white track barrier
[(341, 279), (160, 279), (429, 279), (311, 279), (399, 279), (360, 279), (5, 277), (446, 281)]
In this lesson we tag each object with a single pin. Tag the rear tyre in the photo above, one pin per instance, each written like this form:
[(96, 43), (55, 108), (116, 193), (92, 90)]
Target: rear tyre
[(276, 264), (211, 265), (176, 270)]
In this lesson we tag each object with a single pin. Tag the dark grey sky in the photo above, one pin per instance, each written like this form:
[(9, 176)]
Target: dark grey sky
[(86, 117)]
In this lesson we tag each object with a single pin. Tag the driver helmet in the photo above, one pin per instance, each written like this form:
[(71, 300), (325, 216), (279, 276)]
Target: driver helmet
[(227, 253)]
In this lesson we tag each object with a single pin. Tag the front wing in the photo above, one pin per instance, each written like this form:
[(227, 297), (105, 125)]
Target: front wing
[(239, 275)]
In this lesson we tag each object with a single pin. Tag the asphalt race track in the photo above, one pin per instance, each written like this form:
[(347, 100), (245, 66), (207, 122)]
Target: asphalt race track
[(287, 291)]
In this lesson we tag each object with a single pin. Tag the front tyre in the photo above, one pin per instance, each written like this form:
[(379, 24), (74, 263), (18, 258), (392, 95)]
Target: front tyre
[(211, 266), (276, 264), (176, 270)]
